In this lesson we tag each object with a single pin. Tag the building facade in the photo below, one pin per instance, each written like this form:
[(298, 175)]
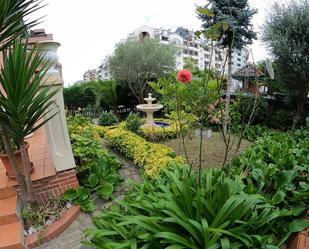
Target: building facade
[(198, 49), (90, 74), (102, 72)]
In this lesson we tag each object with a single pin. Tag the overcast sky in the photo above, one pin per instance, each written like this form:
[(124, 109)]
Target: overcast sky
[(88, 30)]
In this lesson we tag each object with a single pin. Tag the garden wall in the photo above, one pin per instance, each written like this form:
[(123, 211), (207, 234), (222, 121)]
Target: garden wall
[(54, 186)]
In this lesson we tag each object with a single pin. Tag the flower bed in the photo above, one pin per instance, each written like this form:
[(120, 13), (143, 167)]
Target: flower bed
[(97, 170), (151, 158), (54, 229)]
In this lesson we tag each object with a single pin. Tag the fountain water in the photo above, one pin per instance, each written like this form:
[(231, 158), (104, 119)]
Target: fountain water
[(149, 108)]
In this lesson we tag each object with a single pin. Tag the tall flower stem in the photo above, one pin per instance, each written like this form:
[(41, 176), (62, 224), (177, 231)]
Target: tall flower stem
[(182, 138), (206, 81)]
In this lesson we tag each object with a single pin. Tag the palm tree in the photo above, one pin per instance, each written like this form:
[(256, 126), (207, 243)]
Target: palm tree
[(23, 100), (105, 91)]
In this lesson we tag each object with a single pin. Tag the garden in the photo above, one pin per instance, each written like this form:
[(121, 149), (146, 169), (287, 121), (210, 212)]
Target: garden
[(216, 168)]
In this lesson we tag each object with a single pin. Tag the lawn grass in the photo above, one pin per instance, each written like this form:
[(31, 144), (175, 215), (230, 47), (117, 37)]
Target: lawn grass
[(213, 149)]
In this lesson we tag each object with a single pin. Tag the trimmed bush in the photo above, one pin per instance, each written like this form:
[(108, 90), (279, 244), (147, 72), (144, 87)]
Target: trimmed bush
[(151, 158), (133, 123), (108, 119), (163, 133)]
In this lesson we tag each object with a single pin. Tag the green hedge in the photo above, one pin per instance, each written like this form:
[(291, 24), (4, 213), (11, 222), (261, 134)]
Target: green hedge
[(150, 157)]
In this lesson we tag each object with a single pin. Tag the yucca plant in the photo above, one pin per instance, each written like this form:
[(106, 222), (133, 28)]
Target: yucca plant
[(12, 19), (175, 212), (24, 103)]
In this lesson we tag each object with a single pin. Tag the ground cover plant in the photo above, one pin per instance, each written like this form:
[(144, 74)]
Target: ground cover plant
[(278, 165), (175, 211), (97, 169), (103, 177)]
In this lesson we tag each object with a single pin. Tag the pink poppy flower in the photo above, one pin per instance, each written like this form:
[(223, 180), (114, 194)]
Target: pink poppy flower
[(184, 76)]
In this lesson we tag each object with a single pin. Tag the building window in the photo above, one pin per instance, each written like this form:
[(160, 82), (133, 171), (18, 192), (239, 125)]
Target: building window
[(238, 65)]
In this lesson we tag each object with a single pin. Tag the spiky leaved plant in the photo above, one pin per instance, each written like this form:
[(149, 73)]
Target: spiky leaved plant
[(24, 103)]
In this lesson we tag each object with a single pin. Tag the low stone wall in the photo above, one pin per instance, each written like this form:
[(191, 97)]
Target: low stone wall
[(55, 185)]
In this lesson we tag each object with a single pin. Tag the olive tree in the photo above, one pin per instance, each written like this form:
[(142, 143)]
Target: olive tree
[(286, 34), (136, 62)]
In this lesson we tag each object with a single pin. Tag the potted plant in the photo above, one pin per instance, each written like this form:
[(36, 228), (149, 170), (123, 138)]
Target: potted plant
[(24, 106), (17, 153)]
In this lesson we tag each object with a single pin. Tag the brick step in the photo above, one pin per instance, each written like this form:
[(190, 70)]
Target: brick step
[(11, 236), (8, 211), (7, 192)]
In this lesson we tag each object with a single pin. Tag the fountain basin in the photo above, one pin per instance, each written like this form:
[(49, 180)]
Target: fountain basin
[(161, 124), (149, 108)]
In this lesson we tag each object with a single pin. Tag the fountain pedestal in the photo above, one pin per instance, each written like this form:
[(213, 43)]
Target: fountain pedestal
[(149, 108)]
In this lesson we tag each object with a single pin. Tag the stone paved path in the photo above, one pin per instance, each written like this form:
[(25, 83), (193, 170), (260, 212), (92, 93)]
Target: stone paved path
[(72, 236)]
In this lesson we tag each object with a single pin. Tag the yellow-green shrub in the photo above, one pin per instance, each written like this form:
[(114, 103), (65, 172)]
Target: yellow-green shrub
[(162, 133), (150, 157)]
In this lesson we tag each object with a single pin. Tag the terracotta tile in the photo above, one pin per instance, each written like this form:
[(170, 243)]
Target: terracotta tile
[(11, 182), (49, 171), (7, 192), (3, 181), (38, 163), (10, 235), (49, 162), (38, 173), (39, 153)]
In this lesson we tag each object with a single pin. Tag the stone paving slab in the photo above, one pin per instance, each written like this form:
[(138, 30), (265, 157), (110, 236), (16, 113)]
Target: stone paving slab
[(71, 238)]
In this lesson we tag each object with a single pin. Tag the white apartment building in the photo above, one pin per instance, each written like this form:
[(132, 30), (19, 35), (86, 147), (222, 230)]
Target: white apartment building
[(90, 75), (102, 71), (200, 50)]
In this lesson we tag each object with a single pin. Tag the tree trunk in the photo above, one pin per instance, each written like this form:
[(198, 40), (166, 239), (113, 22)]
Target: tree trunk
[(26, 164), (301, 100), (228, 93), (19, 177), (97, 100)]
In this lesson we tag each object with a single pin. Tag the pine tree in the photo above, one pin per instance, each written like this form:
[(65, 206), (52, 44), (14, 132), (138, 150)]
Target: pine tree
[(230, 20)]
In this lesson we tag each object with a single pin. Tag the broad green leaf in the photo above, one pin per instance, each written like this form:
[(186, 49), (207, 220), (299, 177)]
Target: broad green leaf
[(106, 190), (93, 180), (278, 197), (298, 225), (70, 194)]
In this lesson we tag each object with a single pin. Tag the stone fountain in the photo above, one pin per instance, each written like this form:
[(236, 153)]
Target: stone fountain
[(149, 108)]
